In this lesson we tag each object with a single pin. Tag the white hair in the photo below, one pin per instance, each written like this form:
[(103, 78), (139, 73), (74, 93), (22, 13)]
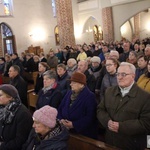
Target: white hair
[(131, 66), (114, 52), (74, 62)]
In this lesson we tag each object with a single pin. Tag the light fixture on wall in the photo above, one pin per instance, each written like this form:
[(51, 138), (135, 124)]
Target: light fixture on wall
[(148, 26), (37, 34)]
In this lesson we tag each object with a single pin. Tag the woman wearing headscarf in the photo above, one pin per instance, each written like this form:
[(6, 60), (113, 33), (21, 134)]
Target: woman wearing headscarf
[(15, 119), (47, 133)]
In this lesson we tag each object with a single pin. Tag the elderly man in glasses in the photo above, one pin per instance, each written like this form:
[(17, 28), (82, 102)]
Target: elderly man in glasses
[(125, 111)]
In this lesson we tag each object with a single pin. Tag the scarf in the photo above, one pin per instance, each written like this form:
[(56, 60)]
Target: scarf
[(8, 112), (52, 86), (74, 96), (50, 134)]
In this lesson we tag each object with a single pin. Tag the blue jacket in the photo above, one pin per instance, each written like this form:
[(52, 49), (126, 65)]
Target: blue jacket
[(82, 113)]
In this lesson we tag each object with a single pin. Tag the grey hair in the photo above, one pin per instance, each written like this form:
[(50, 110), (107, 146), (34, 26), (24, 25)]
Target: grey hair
[(50, 74), (85, 62), (114, 52), (131, 66), (74, 62)]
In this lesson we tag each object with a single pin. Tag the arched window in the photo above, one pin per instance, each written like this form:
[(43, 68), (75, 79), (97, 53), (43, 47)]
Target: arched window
[(56, 32), (8, 39), (54, 8), (98, 33), (6, 8)]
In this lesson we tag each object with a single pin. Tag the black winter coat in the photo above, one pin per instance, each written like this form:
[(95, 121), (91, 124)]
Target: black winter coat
[(20, 84), (16, 133), (52, 97), (58, 142)]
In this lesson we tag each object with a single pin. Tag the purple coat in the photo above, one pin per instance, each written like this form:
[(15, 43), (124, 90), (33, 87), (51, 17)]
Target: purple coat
[(82, 113)]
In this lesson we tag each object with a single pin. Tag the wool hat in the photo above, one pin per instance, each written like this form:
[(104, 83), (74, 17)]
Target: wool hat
[(78, 77), (96, 59), (46, 115), (9, 90)]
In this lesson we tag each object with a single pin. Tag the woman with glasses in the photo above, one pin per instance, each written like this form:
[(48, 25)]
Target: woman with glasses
[(144, 80), (110, 78)]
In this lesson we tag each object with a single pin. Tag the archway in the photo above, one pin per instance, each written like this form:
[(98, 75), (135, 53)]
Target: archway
[(137, 25), (56, 32), (91, 30)]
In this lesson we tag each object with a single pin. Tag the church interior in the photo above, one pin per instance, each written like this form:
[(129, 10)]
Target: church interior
[(55, 23)]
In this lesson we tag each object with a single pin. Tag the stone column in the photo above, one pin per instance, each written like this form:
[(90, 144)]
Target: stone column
[(65, 22), (108, 28), (137, 26)]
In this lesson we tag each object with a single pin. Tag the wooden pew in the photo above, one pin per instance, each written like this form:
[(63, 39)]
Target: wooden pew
[(32, 98), (80, 142), (30, 78)]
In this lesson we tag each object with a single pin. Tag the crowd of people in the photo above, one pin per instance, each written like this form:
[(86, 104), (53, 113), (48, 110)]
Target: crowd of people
[(84, 89)]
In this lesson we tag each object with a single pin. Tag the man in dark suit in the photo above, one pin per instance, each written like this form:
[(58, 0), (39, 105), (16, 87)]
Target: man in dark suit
[(125, 111), (18, 82)]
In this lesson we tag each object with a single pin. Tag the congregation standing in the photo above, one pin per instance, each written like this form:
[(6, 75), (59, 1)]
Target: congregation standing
[(87, 87)]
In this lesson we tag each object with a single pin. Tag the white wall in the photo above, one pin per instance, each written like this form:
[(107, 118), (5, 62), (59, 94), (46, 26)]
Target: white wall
[(85, 11), (122, 13), (145, 24), (126, 31), (29, 17)]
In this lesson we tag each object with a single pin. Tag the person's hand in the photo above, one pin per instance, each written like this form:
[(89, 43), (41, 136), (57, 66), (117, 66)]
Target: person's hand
[(34, 93), (67, 123), (113, 126)]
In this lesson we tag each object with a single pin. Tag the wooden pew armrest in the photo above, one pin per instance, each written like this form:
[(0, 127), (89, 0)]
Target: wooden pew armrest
[(31, 90), (77, 141)]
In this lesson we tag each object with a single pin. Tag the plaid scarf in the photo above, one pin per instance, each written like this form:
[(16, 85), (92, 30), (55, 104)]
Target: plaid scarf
[(52, 86), (8, 112)]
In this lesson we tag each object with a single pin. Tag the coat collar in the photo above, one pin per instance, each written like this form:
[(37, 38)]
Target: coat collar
[(132, 92)]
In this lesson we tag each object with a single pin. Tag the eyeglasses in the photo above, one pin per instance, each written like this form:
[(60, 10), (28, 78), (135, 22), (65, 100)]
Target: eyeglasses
[(123, 74), (108, 65)]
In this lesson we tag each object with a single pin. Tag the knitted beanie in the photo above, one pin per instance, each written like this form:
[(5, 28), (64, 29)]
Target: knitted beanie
[(9, 90), (46, 115)]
